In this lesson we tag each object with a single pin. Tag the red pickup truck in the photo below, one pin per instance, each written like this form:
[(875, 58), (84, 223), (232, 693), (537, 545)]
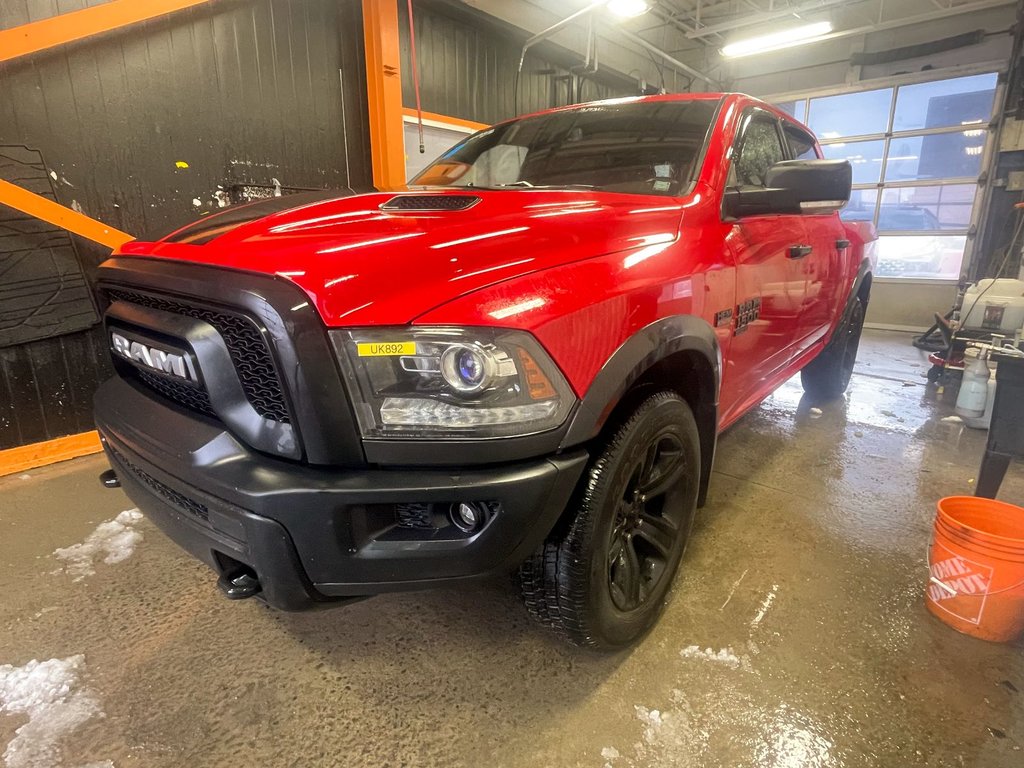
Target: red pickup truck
[(519, 363)]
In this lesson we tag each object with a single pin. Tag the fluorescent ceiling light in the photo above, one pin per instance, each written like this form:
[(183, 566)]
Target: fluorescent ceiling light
[(787, 38), (627, 9)]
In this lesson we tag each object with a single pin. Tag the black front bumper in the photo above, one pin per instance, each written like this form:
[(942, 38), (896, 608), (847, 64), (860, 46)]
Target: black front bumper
[(313, 535)]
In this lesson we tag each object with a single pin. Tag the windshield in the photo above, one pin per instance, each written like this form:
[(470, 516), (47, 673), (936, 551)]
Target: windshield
[(638, 148)]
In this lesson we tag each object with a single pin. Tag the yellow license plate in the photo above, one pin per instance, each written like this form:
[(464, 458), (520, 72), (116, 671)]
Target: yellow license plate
[(386, 348)]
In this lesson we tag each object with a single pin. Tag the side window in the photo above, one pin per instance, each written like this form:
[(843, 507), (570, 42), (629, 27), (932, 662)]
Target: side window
[(759, 149), (801, 144)]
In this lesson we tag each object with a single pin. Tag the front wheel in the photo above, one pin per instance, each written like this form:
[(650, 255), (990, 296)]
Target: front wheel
[(828, 375), (601, 579)]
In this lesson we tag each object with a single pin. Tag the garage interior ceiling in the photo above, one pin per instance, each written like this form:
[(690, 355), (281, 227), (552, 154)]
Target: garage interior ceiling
[(694, 31)]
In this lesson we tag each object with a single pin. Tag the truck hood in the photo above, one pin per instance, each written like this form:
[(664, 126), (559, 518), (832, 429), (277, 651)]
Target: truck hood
[(362, 261)]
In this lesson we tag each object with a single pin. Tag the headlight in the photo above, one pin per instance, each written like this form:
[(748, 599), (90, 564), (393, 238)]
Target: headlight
[(451, 382)]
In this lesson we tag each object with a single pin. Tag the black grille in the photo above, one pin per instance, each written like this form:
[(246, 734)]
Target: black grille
[(178, 500), (414, 515), (430, 203), (245, 344), (184, 393)]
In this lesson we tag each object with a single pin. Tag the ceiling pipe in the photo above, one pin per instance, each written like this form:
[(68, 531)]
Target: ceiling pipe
[(696, 73), (545, 34)]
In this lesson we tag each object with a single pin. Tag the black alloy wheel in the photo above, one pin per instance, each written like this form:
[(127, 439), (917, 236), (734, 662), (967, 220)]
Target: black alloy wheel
[(647, 527), (603, 576), (828, 375)]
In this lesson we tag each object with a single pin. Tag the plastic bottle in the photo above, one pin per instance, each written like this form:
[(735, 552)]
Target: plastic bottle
[(985, 421), (970, 403)]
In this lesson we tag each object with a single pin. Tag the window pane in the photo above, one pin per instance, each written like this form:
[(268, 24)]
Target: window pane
[(912, 209), (795, 108), (861, 206), (851, 114), (961, 101), (936, 256), (436, 141), (801, 145), (759, 151), (864, 156), (942, 156)]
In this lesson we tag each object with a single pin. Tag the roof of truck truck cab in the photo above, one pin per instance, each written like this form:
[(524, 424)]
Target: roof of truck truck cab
[(669, 97), (623, 100)]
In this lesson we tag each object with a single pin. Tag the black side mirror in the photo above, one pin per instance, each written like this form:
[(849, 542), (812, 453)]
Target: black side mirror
[(794, 187)]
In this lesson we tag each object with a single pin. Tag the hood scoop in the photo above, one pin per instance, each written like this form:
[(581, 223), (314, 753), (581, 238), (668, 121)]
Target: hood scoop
[(430, 203)]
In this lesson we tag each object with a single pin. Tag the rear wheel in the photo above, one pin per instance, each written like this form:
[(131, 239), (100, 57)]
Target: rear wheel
[(829, 374), (602, 578)]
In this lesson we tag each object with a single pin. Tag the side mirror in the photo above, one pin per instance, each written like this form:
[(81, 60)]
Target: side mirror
[(794, 187)]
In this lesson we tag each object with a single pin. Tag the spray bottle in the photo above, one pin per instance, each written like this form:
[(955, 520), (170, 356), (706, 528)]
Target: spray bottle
[(974, 389)]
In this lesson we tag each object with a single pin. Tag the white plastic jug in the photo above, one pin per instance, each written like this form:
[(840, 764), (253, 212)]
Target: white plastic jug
[(970, 403), (995, 305)]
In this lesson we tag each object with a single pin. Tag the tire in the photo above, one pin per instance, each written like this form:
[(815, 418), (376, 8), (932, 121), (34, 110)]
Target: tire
[(601, 579), (828, 375)]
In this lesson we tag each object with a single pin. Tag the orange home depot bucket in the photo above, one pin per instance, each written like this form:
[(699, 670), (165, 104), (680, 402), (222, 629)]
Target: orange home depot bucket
[(977, 567)]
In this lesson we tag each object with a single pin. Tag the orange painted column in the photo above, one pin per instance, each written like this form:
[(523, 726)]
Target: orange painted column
[(384, 93)]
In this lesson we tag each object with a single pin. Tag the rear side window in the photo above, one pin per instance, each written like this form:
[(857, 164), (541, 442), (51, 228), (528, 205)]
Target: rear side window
[(801, 143), (759, 149)]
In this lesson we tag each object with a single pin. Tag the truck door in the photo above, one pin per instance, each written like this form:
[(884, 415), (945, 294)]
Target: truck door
[(822, 265), (770, 282)]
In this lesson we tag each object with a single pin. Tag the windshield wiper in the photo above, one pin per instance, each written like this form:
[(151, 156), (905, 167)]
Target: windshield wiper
[(531, 185)]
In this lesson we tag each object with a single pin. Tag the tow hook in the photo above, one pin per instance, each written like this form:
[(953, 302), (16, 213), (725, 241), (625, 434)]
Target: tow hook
[(109, 479), (239, 583)]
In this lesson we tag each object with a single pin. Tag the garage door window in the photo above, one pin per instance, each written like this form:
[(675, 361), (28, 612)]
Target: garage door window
[(916, 152), (866, 157)]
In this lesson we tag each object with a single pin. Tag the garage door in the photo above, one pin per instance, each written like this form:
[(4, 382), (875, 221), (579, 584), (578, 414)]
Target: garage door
[(917, 153)]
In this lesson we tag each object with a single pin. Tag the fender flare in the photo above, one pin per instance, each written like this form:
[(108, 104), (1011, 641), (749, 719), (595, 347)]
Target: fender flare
[(632, 360)]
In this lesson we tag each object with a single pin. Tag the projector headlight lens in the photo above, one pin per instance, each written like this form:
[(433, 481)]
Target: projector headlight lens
[(468, 369), (451, 382)]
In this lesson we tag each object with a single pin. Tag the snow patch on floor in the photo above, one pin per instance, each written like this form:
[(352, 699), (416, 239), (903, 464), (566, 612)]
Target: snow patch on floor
[(50, 694), (671, 737), (723, 656), (112, 542), (668, 736)]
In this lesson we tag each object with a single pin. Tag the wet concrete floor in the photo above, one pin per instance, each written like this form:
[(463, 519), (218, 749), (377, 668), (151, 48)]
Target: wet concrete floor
[(796, 636)]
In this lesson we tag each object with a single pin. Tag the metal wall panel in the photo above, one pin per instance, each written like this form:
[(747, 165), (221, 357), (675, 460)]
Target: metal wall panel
[(239, 91), (467, 68), (43, 290)]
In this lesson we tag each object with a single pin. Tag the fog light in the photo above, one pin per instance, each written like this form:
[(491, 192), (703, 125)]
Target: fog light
[(467, 517)]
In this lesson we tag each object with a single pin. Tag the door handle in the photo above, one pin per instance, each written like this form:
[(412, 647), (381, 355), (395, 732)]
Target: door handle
[(842, 245), (799, 251)]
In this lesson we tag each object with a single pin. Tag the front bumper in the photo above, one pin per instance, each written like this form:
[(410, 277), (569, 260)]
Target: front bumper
[(313, 535)]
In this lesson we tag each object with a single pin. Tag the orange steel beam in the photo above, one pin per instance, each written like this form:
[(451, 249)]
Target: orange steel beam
[(27, 202), (472, 125), (384, 93), (69, 27)]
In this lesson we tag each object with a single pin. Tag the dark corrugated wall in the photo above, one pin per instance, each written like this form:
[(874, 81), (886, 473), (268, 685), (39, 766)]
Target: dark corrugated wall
[(468, 63), (240, 91)]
